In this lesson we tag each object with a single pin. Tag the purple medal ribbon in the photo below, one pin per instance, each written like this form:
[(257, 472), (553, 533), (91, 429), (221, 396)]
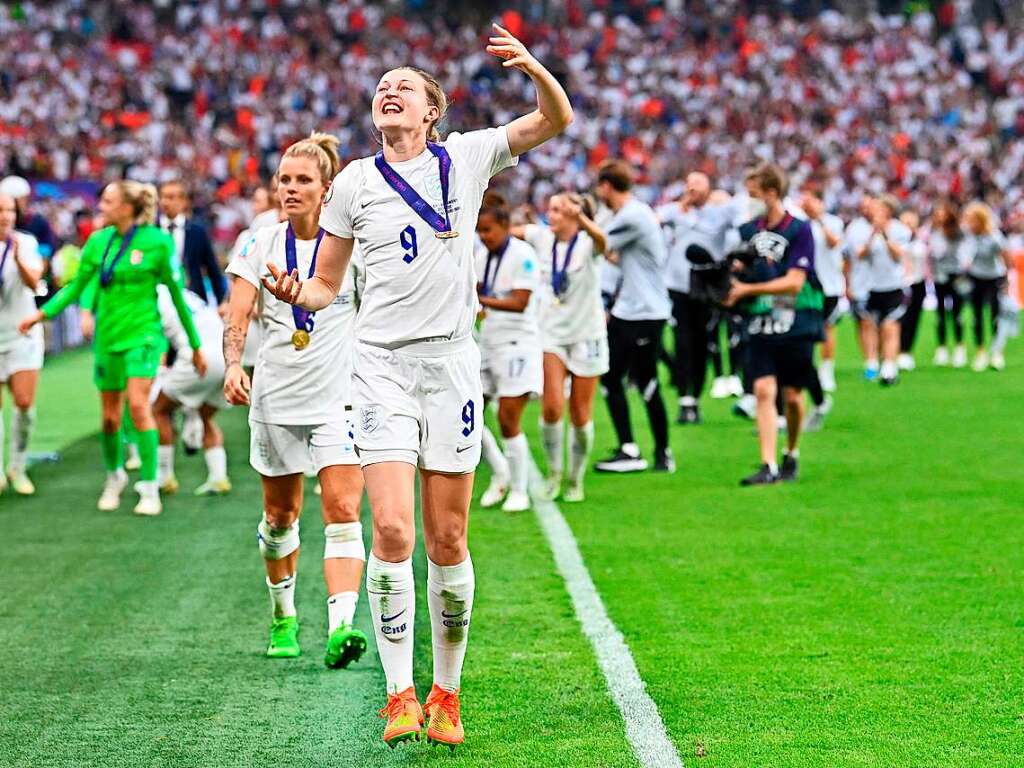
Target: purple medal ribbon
[(303, 317), (440, 224), (3, 261), (493, 257), (558, 276), (107, 272)]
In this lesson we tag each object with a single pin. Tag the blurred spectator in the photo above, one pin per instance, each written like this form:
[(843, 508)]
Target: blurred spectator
[(203, 274)]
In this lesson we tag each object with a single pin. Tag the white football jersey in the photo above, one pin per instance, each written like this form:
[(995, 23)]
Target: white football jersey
[(208, 324), (417, 285), (578, 315), (297, 386), (517, 270), (17, 300), (828, 262)]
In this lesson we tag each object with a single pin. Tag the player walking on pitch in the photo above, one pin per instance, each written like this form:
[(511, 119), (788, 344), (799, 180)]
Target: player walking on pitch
[(416, 384), (300, 404), (131, 256)]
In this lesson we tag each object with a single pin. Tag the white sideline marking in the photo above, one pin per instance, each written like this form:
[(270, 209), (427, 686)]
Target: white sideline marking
[(644, 728)]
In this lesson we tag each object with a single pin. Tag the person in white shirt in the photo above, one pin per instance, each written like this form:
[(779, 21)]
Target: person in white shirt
[(945, 255), (417, 387), (914, 265), (885, 251), (178, 385), (573, 330), (21, 357), (988, 264), (300, 404), (858, 278), (511, 353), (827, 229)]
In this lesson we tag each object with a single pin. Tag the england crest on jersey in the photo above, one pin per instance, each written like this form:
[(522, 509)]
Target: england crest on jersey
[(770, 245)]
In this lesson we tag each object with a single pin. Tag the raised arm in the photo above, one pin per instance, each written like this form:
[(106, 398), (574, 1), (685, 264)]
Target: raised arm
[(553, 113), (319, 291)]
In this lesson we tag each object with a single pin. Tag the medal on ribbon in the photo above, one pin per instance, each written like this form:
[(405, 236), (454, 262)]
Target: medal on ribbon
[(107, 271), (493, 257), (303, 318), (3, 261), (442, 225), (560, 275)]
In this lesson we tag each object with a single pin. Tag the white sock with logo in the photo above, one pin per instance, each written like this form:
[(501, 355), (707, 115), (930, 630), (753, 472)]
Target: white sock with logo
[(581, 443), (216, 463), (22, 423), (341, 609), (494, 457), (554, 446), (450, 599), (391, 591), (282, 596), (517, 450), (164, 463)]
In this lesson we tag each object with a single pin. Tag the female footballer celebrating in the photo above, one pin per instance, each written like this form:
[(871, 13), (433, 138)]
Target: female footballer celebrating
[(416, 383), (298, 405), (131, 256)]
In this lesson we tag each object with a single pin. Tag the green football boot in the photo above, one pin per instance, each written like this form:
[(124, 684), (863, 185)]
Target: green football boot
[(284, 638), (344, 646)]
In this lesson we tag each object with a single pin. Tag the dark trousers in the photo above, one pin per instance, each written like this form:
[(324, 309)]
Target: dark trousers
[(985, 293), (691, 343), (718, 319), (912, 318), (633, 350), (950, 305)]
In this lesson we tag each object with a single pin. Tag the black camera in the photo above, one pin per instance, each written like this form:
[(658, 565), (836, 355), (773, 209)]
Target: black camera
[(711, 279)]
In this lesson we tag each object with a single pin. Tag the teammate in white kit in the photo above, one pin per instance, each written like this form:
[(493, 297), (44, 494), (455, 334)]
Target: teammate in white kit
[(21, 357), (179, 386), (299, 405), (416, 384), (573, 330), (511, 355)]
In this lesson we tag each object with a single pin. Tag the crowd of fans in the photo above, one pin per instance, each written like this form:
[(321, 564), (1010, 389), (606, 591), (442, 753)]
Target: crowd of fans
[(923, 105)]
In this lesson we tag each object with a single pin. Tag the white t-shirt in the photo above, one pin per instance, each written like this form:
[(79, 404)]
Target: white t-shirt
[(578, 315), (306, 386), (985, 255), (516, 271), (417, 286), (860, 269), (828, 262), (917, 257), (17, 300), (208, 324), (887, 272), (706, 226)]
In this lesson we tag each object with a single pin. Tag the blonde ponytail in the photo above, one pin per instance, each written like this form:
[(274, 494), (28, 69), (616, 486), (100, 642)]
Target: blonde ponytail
[(323, 149), (141, 197)]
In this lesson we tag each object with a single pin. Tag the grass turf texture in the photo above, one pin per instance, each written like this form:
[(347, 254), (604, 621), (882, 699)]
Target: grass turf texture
[(867, 616)]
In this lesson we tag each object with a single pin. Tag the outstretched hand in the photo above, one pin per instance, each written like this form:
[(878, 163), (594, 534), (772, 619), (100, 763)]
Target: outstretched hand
[(507, 46), (285, 287), (29, 322)]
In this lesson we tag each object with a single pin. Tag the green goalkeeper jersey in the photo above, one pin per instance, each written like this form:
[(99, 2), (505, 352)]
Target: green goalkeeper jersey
[(127, 312)]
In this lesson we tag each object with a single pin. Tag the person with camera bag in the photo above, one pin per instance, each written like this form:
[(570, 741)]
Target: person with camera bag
[(778, 290)]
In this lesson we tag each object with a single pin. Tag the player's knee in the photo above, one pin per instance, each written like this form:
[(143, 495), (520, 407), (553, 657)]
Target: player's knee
[(341, 510), (344, 540), (579, 413), (392, 535), (110, 423), (277, 541), (447, 542), (764, 388), (552, 412), (140, 412), (793, 396), (22, 401)]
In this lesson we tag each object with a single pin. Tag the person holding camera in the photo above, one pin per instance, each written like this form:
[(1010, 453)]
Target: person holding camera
[(778, 290)]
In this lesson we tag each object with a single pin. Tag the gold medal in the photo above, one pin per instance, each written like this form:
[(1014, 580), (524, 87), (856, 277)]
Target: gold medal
[(300, 339), (446, 235)]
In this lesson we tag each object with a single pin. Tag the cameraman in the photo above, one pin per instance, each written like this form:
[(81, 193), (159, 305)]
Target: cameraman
[(783, 302)]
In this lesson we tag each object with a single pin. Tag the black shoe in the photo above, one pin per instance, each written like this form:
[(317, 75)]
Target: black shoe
[(789, 470), (665, 462), (622, 462), (890, 381), (763, 476), (689, 414)]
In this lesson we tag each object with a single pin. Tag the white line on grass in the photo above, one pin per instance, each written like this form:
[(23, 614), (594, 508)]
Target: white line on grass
[(644, 728)]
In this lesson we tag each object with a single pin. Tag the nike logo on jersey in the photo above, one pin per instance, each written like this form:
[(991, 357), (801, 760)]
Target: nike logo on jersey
[(387, 619), (463, 448)]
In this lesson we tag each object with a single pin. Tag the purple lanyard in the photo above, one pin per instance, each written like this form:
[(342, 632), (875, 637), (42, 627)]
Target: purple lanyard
[(493, 257), (412, 198), (3, 261), (302, 317), (107, 272), (558, 281)]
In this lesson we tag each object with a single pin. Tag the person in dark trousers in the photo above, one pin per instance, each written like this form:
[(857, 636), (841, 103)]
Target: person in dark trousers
[(914, 269), (637, 319), (192, 244), (945, 254)]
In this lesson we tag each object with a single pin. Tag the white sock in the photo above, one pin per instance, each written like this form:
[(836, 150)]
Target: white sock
[(148, 489), (871, 362), (22, 424), (164, 462), (282, 596), (391, 591), (581, 442), (773, 468), (494, 457), (687, 400), (450, 599), (517, 451), (118, 475), (795, 453), (554, 445), (889, 369), (341, 609), (827, 368), (216, 463)]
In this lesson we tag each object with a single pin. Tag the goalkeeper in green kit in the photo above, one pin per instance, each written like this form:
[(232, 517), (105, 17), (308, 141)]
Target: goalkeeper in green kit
[(131, 256)]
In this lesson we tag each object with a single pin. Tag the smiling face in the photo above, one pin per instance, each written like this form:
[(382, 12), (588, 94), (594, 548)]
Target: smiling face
[(401, 103), (300, 187), (114, 209), (8, 214), (492, 232), (556, 213)]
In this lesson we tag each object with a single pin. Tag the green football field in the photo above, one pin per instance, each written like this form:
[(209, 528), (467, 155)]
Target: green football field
[(870, 615)]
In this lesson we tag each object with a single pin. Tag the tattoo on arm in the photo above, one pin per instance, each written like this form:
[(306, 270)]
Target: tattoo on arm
[(234, 343)]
